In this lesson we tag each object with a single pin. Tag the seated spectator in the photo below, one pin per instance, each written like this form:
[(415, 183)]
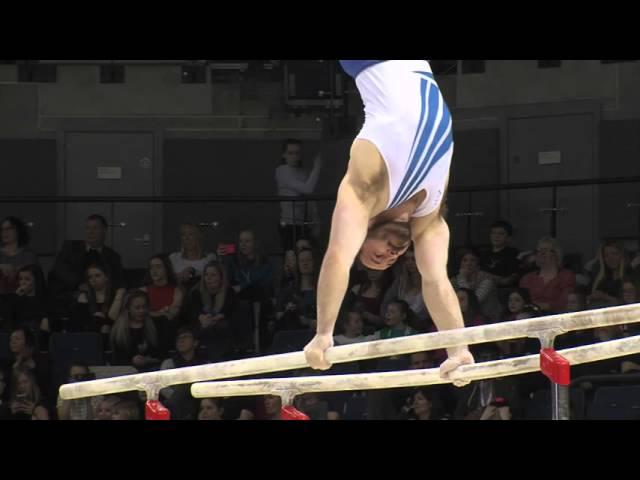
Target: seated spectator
[(519, 301), (293, 181), (314, 406), (352, 326), (26, 402), (210, 409), (80, 408), (14, 252), (189, 262), (177, 398), (424, 406), (395, 321), (481, 283), (289, 270), (297, 304), (29, 305), (407, 286), (99, 306), (368, 296), (609, 273), (211, 306), (134, 337), (550, 285), (165, 298), (126, 409), (250, 274), (68, 275), (272, 406), (24, 350), (104, 408), (501, 260), (5, 412), (470, 308)]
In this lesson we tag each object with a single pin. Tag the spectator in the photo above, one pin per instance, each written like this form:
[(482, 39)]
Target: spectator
[(211, 305), (395, 321), (289, 271), (104, 409), (407, 286), (297, 305), (27, 402), (519, 301), (250, 275), (5, 411), (165, 297), (210, 409), (272, 407), (352, 327), (99, 306), (470, 307), (178, 398), (134, 337), (24, 350), (14, 252), (190, 261), (501, 260), (609, 273), (368, 296), (69, 271), (81, 408), (551, 284), (293, 181), (316, 407), (28, 305), (424, 406), (471, 277), (126, 409)]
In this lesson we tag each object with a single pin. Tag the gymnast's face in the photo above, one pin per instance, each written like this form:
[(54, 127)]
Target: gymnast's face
[(384, 245)]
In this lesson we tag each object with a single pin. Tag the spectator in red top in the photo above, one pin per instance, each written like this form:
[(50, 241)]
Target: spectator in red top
[(550, 285), (165, 298)]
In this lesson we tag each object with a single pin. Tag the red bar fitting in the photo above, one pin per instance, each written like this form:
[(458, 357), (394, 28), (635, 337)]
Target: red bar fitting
[(154, 410), (290, 413), (555, 366)]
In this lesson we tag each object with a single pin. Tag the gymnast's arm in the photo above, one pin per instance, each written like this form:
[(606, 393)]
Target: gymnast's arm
[(431, 240), (348, 231)]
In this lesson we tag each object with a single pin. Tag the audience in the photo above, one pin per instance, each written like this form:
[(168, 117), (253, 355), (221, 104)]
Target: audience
[(550, 285), (297, 303), (407, 286), (481, 283), (189, 262), (86, 282), (293, 181), (99, 306), (29, 304), (75, 256), (501, 259), (608, 273), (211, 306), (134, 337), (368, 297), (27, 401), (14, 252), (165, 297), (395, 321), (178, 398), (81, 408), (210, 409)]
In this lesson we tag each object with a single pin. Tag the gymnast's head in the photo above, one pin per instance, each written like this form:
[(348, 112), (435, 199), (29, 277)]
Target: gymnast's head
[(385, 243)]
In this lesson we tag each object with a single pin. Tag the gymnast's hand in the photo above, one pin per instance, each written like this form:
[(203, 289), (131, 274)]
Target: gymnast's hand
[(456, 358), (315, 349)]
